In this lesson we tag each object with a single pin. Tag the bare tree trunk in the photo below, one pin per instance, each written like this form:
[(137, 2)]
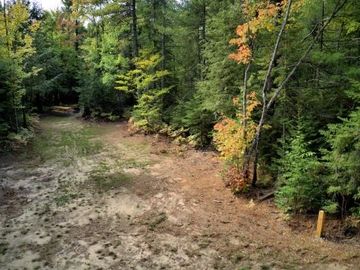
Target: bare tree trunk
[(244, 105), (266, 86), (254, 178)]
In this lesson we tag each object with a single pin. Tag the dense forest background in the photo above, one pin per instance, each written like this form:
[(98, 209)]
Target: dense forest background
[(273, 85)]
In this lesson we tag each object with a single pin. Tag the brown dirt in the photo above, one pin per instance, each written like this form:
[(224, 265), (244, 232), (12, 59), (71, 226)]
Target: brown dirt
[(168, 209)]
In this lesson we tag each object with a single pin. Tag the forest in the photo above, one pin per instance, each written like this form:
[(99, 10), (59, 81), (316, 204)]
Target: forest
[(271, 88)]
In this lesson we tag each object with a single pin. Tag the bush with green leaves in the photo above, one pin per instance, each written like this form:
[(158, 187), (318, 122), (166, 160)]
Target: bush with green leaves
[(144, 82), (300, 186)]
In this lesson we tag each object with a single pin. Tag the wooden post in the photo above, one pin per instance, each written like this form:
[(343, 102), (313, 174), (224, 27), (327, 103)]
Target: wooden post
[(320, 224)]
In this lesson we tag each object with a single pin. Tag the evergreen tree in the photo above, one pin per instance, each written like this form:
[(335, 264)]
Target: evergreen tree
[(343, 163), (300, 187)]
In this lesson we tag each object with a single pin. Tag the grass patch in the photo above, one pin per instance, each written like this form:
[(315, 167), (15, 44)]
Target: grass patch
[(65, 198), (66, 145), (80, 142), (132, 163), (106, 178)]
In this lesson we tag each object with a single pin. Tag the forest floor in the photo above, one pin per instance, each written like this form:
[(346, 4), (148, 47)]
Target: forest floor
[(95, 196)]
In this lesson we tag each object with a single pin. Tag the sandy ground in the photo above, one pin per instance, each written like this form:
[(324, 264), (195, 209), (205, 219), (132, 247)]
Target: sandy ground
[(123, 201)]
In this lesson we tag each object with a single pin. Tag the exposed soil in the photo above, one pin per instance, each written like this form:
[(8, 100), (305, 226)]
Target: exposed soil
[(95, 196)]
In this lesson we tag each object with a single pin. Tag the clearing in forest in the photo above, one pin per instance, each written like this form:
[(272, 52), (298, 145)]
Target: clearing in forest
[(95, 196)]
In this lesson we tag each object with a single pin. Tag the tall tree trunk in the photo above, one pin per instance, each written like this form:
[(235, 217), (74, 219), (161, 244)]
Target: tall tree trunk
[(265, 88), (254, 176), (317, 77), (23, 110), (77, 42), (163, 42), (15, 113), (202, 38), (245, 93), (244, 108), (152, 32), (322, 25), (203, 25), (6, 28), (134, 31)]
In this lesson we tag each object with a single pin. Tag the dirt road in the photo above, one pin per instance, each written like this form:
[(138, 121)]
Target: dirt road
[(93, 196)]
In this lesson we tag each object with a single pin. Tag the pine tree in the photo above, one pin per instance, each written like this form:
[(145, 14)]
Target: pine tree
[(300, 187), (343, 163)]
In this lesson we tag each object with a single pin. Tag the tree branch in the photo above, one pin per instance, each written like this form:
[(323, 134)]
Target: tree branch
[(282, 84), (266, 81), (267, 106)]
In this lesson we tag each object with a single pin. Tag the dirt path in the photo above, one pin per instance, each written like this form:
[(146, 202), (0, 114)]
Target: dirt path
[(91, 196)]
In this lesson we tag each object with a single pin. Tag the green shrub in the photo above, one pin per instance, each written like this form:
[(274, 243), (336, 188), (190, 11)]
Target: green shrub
[(145, 83), (301, 189), (343, 163)]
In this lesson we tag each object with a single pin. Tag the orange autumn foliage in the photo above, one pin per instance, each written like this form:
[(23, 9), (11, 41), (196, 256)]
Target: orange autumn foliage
[(262, 15), (232, 138), (229, 135)]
